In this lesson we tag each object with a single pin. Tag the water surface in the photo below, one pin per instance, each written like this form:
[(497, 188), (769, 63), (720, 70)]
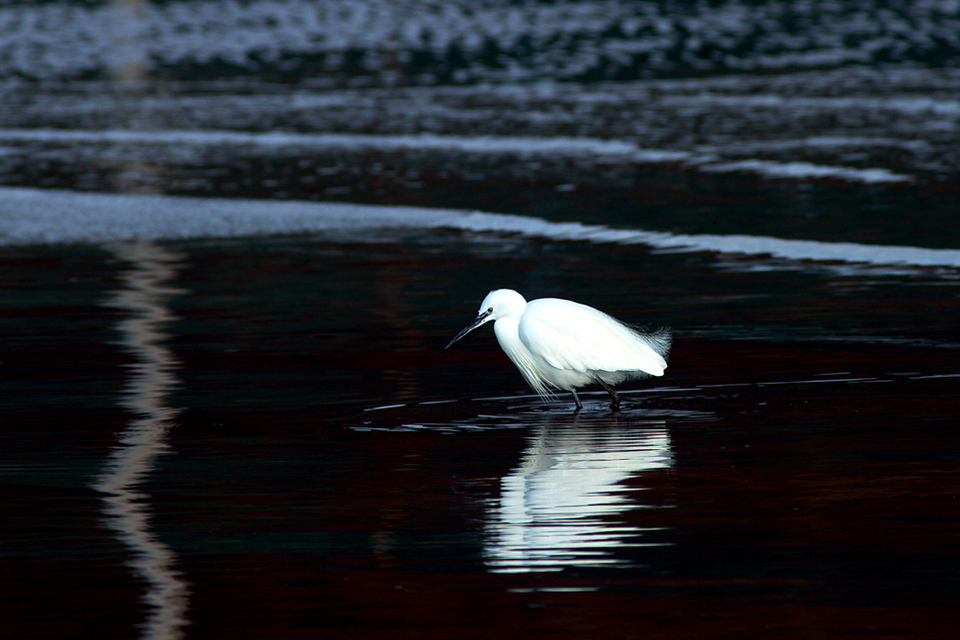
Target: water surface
[(264, 437), (228, 279)]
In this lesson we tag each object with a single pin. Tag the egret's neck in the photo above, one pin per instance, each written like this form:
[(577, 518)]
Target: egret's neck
[(507, 330)]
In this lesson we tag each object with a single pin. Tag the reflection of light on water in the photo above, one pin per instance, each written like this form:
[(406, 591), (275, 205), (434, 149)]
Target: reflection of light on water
[(558, 508), (153, 378)]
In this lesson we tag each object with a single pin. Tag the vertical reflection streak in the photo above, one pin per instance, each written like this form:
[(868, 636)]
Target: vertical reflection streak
[(145, 295)]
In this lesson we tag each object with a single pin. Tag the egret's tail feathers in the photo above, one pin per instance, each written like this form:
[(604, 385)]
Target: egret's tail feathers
[(660, 341)]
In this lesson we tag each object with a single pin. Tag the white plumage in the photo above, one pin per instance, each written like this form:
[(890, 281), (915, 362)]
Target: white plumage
[(560, 344)]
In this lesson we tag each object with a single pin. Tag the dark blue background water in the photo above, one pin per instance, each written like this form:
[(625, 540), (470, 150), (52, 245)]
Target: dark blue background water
[(222, 419)]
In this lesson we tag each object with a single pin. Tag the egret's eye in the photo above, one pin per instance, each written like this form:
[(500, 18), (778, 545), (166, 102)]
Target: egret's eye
[(490, 310)]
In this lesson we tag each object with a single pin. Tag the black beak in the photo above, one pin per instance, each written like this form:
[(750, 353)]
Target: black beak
[(473, 325)]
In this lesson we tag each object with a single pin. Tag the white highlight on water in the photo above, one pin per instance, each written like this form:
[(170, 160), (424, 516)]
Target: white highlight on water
[(31, 216)]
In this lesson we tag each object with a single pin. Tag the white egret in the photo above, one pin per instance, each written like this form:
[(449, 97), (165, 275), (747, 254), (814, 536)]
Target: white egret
[(560, 344)]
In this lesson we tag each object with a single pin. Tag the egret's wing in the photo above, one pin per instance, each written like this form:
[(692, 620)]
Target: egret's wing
[(572, 336)]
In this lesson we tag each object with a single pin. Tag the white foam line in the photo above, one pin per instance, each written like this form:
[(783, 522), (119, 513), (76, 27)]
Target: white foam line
[(33, 216), (737, 244), (626, 151), (821, 142), (426, 142), (799, 170), (386, 406), (825, 381), (904, 104)]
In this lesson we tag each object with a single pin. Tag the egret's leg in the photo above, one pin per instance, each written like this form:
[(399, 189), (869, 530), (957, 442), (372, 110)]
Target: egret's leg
[(615, 405), (576, 399)]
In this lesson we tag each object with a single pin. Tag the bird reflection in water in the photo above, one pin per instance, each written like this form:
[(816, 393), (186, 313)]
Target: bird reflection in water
[(145, 296), (558, 508)]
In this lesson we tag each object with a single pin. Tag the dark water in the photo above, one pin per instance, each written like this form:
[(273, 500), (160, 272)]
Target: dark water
[(225, 406), (265, 438)]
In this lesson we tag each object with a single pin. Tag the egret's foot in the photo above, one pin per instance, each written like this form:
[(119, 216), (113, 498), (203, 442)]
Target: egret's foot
[(615, 399), (576, 399)]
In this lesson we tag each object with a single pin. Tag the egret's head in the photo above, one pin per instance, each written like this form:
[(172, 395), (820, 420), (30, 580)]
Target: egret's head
[(503, 303), (498, 304)]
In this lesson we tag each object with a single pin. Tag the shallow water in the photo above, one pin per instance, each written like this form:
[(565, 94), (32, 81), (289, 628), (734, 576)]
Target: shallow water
[(263, 437)]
